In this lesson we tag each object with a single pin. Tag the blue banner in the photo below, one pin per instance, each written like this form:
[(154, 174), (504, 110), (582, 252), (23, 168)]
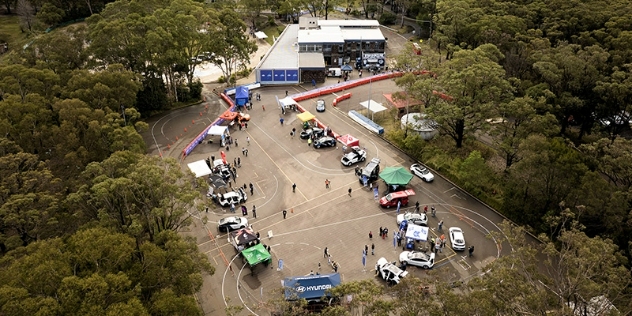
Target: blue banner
[(291, 75), (279, 75), (266, 75)]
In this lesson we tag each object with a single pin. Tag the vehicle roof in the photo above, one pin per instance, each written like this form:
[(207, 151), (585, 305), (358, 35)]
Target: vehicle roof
[(229, 219), (404, 193), (230, 194), (419, 255), (324, 138)]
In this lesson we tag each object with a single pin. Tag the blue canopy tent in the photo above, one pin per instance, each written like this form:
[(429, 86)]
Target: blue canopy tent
[(309, 287), (241, 95)]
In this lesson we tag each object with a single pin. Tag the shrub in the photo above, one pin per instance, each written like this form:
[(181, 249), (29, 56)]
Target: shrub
[(387, 18)]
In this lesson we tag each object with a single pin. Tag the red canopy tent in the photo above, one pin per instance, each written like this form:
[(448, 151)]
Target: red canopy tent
[(228, 115), (349, 140)]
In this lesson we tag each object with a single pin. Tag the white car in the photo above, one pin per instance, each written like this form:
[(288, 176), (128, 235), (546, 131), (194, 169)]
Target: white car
[(422, 172), (356, 155), (320, 105), (413, 218), (235, 197), (232, 223), (418, 259), (457, 239), (389, 272)]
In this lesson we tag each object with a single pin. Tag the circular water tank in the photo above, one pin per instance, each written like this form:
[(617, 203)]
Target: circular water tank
[(426, 128)]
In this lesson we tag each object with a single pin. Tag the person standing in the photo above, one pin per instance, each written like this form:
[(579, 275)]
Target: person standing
[(370, 235), (349, 191), (471, 250), (252, 189), (437, 247), (284, 213), (372, 249), (281, 120), (248, 140), (326, 183), (239, 162), (286, 93), (426, 209), (381, 231), (417, 207), (254, 211), (232, 207), (441, 225), (399, 205), (326, 252), (294, 188), (366, 250)]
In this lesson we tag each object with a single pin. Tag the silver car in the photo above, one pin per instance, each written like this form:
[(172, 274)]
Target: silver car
[(418, 259)]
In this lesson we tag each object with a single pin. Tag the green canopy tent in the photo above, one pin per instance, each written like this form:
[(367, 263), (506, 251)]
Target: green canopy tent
[(256, 254), (396, 176)]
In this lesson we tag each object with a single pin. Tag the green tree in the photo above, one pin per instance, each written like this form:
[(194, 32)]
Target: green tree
[(29, 200), (615, 104), (230, 42), (476, 174), (110, 90), (138, 195), (519, 120), (548, 173), (476, 85), (60, 51)]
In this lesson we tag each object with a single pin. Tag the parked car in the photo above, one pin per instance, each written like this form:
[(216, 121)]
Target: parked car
[(422, 172), (325, 141), (354, 156), (235, 197), (317, 132), (389, 272), (320, 105), (370, 172), (227, 224), (392, 199), (457, 239), (418, 259), (413, 218)]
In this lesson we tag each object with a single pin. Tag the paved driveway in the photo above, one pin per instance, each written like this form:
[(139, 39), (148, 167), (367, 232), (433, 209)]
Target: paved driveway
[(317, 217)]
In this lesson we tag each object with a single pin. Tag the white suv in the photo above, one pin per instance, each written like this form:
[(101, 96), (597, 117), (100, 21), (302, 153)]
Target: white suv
[(389, 272)]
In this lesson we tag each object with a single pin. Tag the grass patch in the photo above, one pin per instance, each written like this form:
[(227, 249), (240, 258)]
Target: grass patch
[(11, 33)]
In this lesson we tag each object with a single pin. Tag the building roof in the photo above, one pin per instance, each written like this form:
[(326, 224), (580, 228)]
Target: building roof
[(365, 34), (305, 22), (349, 23), (400, 104), (323, 35), (283, 54), (311, 60)]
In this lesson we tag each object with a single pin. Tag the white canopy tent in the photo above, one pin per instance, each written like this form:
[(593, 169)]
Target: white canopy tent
[(373, 106), (218, 130), (417, 232), (287, 101), (261, 35), (200, 168)]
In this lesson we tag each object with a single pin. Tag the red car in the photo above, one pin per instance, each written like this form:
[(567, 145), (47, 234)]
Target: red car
[(391, 199)]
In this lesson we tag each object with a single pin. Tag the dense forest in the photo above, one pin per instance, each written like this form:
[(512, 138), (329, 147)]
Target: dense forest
[(88, 222)]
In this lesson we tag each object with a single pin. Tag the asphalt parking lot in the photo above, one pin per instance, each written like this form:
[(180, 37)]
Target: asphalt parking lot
[(317, 217)]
